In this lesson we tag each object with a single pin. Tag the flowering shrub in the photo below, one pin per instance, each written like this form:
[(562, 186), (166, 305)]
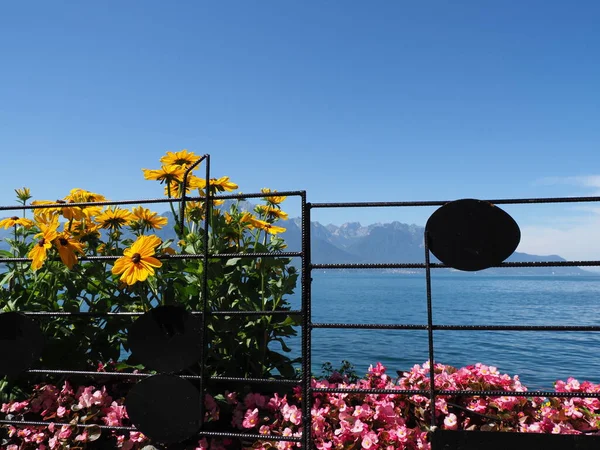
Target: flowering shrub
[(339, 421), (139, 277)]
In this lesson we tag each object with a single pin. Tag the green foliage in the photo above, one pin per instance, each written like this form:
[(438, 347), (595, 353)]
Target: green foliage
[(237, 344)]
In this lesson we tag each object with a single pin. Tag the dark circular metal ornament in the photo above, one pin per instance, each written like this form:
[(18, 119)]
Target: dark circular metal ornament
[(472, 234), (166, 339), (21, 343), (165, 408)]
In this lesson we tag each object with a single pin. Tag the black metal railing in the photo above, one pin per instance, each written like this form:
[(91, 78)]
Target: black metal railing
[(440, 439)]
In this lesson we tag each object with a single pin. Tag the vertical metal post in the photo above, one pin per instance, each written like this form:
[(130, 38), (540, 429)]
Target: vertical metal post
[(207, 214), (306, 326), (430, 332)]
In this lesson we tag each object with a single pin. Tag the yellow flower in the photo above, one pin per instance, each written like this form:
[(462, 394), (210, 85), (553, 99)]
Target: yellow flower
[(23, 194), (148, 219), (78, 195), (39, 253), (67, 249), (138, 262), (266, 226), (114, 218), (182, 158), (272, 212), (48, 233), (193, 182), (194, 211), (223, 184), (14, 221), (82, 229), (274, 200), (166, 174), (68, 212)]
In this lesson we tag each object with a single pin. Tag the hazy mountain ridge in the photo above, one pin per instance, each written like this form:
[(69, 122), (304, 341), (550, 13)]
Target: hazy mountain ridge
[(351, 242)]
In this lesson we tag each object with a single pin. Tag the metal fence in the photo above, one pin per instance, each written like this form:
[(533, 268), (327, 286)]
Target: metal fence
[(440, 439)]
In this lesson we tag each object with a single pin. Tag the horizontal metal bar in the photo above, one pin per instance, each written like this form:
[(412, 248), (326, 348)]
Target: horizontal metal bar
[(254, 255), (388, 326), (291, 312), (90, 373), (424, 392), (23, 423), (376, 326), (547, 394), (152, 200), (248, 436), (266, 437), (443, 266), (259, 195), (178, 256), (504, 201), (445, 392)]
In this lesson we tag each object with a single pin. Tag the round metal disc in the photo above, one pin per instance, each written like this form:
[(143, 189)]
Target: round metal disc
[(166, 339), (21, 343), (472, 234), (165, 408)]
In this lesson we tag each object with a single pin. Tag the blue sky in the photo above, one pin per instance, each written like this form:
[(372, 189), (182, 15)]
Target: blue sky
[(349, 100)]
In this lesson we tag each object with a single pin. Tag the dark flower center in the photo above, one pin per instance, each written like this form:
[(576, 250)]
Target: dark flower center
[(41, 242), (14, 218), (63, 241), (136, 258)]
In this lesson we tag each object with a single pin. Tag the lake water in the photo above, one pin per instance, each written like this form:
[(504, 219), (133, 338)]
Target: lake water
[(539, 358)]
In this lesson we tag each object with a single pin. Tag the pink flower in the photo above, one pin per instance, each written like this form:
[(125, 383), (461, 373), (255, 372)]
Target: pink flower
[(369, 441), (451, 422), (250, 418), (65, 432)]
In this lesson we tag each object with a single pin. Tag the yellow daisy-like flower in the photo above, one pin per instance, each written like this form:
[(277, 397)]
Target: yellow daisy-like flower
[(39, 253), (272, 212), (149, 219), (182, 158), (138, 262), (68, 249), (266, 226), (174, 189), (68, 212), (114, 218), (223, 184), (82, 229), (78, 195), (14, 221), (166, 174), (274, 200), (47, 234)]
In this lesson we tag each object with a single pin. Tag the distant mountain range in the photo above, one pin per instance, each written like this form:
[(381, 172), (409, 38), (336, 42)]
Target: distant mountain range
[(393, 242)]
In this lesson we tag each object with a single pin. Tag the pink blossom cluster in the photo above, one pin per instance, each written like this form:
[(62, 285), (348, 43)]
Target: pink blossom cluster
[(89, 406), (395, 421), (338, 420)]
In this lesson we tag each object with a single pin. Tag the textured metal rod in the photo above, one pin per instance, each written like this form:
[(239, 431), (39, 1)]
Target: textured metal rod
[(178, 256), (22, 423), (205, 310), (430, 331), (149, 200), (391, 326), (503, 201), (184, 196), (590, 263), (306, 326), (291, 312), (90, 373)]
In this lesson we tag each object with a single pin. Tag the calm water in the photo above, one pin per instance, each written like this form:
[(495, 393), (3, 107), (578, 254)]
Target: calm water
[(540, 358)]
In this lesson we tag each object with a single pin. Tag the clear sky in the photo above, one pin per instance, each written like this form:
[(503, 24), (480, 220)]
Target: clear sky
[(349, 100)]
